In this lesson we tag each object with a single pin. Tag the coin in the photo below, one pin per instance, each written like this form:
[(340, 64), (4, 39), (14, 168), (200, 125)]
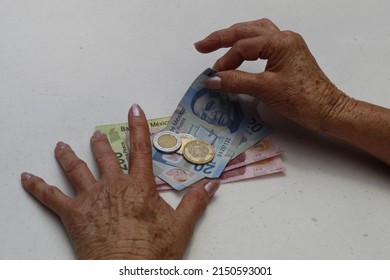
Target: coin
[(167, 141), (198, 152), (185, 138)]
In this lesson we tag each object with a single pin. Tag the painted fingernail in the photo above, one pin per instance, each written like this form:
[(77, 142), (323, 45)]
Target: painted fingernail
[(136, 110), (214, 82), (97, 134), (61, 145), (25, 176), (211, 187)]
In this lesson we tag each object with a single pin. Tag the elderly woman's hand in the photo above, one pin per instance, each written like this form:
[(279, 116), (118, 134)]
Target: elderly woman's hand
[(292, 82), (293, 85), (121, 216)]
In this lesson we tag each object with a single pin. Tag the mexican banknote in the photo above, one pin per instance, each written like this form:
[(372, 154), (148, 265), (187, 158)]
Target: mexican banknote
[(228, 122), (119, 137), (259, 160), (256, 169)]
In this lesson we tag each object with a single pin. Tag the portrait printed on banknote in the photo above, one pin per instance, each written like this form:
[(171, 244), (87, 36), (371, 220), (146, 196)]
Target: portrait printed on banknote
[(217, 109)]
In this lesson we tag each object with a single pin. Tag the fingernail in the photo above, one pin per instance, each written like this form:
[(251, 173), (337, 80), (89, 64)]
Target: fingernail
[(197, 43), (25, 176), (97, 134), (136, 110), (214, 82), (61, 145), (211, 187)]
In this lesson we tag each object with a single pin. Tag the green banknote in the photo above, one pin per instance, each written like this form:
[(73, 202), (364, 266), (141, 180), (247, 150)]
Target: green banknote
[(118, 136)]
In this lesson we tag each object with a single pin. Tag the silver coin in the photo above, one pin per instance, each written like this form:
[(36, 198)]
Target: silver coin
[(167, 141), (185, 138)]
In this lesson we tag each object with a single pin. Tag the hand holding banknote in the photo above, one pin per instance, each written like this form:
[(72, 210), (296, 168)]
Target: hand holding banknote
[(292, 82), (121, 215), (228, 123), (294, 85)]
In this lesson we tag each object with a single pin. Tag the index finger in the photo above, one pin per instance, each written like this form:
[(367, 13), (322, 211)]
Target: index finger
[(227, 37), (251, 49)]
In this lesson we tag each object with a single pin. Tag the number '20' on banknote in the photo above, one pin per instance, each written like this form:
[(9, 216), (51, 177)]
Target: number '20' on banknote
[(223, 120)]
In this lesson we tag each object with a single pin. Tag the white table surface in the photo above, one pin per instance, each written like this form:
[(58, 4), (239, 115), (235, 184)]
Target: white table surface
[(67, 66)]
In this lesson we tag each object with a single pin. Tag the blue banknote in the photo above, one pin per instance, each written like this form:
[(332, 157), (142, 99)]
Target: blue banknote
[(226, 121)]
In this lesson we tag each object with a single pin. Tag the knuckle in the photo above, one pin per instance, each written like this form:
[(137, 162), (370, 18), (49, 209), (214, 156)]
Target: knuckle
[(265, 22), (142, 147), (104, 159), (49, 194), (235, 83), (75, 166), (243, 47), (290, 37), (237, 25), (260, 23), (239, 45), (242, 27), (102, 156), (216, 35), (240, 48), (34, 183), (137, 126)]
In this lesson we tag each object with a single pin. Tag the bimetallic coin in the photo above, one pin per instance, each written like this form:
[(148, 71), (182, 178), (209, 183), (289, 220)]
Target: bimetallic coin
[(198, 152), (167, 141), (185, 138)]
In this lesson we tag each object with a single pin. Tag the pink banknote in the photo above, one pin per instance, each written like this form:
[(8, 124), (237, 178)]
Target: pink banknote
[(256, 169), (264, 149)]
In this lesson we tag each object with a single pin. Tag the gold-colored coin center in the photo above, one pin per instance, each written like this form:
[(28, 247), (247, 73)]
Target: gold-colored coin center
[(167, 141), (198, 152)]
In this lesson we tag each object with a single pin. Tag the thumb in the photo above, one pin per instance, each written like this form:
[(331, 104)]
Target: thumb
[(239, 82), (195, 201)]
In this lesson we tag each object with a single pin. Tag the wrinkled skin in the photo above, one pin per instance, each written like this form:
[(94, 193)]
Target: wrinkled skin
[(121, 216), (293, 85)]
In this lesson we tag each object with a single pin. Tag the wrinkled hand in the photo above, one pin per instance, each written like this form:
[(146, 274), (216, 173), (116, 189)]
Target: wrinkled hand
[(121, 216), (292, 83)]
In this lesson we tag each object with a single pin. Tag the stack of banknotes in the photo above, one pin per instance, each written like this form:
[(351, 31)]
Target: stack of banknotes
[(230, 123)]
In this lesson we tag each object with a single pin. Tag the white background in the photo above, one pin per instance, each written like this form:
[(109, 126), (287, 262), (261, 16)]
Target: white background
[(67, 66)]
